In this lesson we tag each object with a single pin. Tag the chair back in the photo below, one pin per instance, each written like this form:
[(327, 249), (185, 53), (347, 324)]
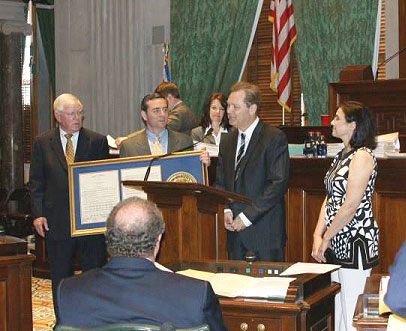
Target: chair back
[(130, 327)]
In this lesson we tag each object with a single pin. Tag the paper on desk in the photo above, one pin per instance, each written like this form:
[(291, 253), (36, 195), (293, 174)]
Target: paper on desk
[(396, 323), (212, 149), (235, 285), (111, 141), (383, 288), (309, 268)]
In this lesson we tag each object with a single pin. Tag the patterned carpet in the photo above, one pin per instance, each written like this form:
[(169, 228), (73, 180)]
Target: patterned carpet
[(42, 306)]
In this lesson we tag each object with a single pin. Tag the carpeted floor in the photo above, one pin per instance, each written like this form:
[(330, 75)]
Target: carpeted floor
[(42, 306)]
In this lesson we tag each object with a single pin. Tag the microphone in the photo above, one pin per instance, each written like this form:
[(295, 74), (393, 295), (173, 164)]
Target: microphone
[(390, 58), (209, 132)]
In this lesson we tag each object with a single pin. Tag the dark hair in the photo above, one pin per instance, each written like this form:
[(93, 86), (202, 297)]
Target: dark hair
[(252, 93), (364, 133), (135, 230), (205, 119), (149, 97), (168, 88)]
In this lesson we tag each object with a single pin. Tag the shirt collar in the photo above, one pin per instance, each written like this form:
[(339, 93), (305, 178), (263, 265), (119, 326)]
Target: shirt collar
[(250, 130), (151, 136)]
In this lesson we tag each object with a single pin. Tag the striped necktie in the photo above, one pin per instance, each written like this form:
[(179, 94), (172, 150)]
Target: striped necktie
[(69, 153), (239, 156), (156, 147)]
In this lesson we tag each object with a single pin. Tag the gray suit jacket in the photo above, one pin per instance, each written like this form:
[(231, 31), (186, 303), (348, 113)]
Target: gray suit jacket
[(138, 144), (181, 119)]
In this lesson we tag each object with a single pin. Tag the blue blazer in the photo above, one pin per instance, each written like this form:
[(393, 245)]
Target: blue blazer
[(395, 297), (134, 290)]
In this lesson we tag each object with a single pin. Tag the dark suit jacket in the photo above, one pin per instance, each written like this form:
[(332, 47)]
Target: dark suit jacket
[(395, 297), (49, 177), (181, 119), (134, 290), (264, 173), (138, 144)]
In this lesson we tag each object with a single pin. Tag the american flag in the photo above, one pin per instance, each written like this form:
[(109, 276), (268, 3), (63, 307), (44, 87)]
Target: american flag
[(166, 73), (284, 35)]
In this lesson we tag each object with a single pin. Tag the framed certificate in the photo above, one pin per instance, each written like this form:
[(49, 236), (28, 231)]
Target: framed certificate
[(95, 187)]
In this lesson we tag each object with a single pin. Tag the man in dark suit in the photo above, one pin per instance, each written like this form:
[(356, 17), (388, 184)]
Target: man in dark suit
[(50, 190), (395, 297), (181, 117), (253, 161), (132, 287), (156, 138)]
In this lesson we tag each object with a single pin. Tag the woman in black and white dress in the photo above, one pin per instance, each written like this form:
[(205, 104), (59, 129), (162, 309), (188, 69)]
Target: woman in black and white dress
[(346, 223)]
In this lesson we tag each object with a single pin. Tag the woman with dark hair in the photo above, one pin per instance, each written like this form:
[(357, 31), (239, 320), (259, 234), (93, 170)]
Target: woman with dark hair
[(213, 117), (346, 231)]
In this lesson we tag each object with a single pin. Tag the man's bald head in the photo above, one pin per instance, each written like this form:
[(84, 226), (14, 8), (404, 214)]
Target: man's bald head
[(134, 227)]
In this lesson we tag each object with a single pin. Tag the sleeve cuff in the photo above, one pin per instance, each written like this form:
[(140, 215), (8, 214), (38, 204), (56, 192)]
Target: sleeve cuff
[(245, 220)]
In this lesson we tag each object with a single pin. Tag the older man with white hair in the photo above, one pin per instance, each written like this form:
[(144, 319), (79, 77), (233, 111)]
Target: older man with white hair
[(51, 154)]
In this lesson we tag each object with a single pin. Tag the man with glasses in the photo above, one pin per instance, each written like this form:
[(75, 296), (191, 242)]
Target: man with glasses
[(51, 154)]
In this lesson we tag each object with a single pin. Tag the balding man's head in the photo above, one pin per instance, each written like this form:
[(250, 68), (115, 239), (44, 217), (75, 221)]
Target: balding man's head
[(134, 227)]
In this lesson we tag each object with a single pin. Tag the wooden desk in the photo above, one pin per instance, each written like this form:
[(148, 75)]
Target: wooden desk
[(366, 323), (15, 285), (309, 304)]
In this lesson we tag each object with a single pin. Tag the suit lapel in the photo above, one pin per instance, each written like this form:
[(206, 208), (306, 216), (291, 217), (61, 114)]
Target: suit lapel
[(231, 159), (172, 142), (83, 146), (143, 146), (56, 145)]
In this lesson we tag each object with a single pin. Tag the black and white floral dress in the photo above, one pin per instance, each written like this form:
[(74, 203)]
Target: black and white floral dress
[(362, 231)]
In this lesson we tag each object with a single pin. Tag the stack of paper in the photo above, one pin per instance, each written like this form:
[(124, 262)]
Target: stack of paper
[(212, 149), (309, 268), (387, 145), (235, 285), (296, 150), (334, 148)]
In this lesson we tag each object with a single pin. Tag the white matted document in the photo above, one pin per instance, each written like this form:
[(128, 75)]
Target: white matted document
[(138, 174), (309, 268), (99, 193)]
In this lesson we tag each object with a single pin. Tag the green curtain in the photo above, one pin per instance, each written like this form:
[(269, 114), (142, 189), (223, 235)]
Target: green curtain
[(46, 25), (209, 39), (331, 34)]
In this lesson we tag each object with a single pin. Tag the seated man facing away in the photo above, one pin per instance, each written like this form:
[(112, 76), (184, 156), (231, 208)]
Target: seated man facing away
[(395, 297), (130, 288)]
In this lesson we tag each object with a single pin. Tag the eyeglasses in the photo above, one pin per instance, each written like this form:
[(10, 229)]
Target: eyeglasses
[(72, 114)]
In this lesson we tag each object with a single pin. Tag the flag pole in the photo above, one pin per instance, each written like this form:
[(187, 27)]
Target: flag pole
[(283, 115)]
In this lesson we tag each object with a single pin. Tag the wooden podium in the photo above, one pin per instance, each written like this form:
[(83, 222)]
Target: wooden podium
[(194, 219)]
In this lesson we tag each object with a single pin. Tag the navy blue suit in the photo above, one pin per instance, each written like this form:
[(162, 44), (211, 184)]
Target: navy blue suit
[(395, 297), (133, 290)]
